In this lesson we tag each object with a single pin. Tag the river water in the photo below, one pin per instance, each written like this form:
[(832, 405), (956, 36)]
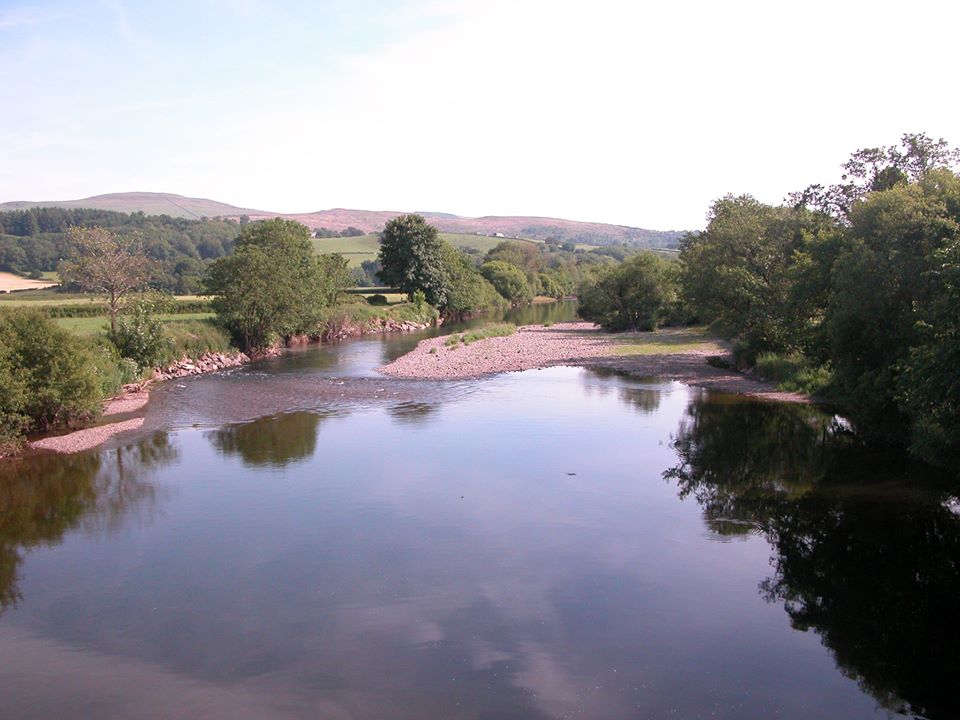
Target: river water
[(303, 538)]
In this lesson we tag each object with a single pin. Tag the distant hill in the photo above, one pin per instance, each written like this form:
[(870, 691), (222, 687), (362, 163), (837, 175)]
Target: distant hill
[(146, 202), (371, 221)]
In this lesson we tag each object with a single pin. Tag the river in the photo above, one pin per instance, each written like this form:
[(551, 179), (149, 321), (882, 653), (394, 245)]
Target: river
[(302, 538)]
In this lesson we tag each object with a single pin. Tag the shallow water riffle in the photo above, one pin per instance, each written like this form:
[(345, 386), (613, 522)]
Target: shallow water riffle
[(551, 543)]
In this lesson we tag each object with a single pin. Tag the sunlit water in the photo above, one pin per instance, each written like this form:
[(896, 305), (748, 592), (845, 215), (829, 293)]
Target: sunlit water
[(555, 543)]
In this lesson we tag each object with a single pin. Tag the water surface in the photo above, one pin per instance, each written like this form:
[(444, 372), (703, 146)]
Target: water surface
[(555, 543)]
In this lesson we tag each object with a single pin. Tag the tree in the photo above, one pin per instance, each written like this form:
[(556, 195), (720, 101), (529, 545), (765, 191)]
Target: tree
[(272, 285), (411, 258), (509, 280), (894, 307), (102, 262), (468, 290), (750, 271), (635, 295)]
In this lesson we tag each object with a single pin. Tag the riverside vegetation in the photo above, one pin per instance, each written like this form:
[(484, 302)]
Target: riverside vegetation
[(850, 291)]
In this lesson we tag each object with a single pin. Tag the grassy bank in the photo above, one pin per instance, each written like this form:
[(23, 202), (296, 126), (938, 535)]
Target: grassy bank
[(481, 333)]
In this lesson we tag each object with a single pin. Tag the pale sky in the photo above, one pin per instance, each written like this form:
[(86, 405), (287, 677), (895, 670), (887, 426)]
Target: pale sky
[(611, 111)]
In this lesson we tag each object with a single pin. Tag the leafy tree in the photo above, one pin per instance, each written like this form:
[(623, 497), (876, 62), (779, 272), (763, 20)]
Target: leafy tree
[(509, 280), (892, 304), (635, 295), (102, 262), (750, 271), (272, 285), (411, 258), (468, 291)]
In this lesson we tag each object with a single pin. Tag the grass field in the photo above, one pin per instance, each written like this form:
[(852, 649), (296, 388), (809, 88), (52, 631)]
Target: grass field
[(365, 247), (51, 298), (93, 325)]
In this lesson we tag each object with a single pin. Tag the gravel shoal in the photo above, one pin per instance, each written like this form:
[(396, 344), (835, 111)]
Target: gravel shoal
[(126, 403), (87, 438), (576, 344)]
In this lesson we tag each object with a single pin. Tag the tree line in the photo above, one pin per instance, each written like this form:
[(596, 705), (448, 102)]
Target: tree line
[(855, 284), (36, 240)]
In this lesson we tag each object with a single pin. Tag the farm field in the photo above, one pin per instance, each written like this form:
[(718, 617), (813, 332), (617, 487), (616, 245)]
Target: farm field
[(10, 282), (365, 247), (100, 323)]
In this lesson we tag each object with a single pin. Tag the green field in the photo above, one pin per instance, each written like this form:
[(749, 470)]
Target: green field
[(52, 298), (365, 247), (93, 325)]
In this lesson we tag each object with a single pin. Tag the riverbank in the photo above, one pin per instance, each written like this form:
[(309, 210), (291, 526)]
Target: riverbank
[(136, 396), (673, 353)]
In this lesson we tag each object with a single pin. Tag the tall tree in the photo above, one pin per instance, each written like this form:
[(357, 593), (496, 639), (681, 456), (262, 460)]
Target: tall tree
[(272, 285), (102, 262), (411, 256)]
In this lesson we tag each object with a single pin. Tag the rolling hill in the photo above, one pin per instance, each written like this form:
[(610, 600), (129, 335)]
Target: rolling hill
[(372, 221)]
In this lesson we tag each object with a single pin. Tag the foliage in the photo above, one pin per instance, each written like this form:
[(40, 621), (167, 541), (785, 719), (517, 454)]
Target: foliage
[(468, 291), (51, 378), (377, 299), (508, 280), (866, 285), (634, 295), (793, 372), (411, 258), (101, 262), (180, 247), (754, 272), (894, 313), (139, 335), (272, 285)]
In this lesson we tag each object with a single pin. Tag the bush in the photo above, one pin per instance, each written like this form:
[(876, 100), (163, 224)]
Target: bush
[(793, 372), (139, 336), (51, 378), (377, 299), (508, 280), (635, 295)]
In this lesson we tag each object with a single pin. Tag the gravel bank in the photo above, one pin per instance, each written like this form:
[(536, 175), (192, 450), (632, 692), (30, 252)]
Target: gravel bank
[(578, 344), (85, 439)]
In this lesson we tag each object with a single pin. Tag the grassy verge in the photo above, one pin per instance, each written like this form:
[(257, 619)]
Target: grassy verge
[(480, 333), (793, 373), (195, 337), (666, 341)]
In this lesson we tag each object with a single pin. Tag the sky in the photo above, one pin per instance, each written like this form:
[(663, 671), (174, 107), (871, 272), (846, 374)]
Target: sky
[(635, 113)]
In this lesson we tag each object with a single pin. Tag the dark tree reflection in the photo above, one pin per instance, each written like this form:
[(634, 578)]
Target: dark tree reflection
[(45, 496), (276, 440), (866, 547)]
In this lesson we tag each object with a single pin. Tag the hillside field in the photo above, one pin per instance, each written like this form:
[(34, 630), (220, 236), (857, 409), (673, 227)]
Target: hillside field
[(365, 247)]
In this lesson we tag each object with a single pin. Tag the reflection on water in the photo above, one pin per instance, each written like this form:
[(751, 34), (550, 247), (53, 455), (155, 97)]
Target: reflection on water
[(504, 547), (42, 498), (866, 551), (276, 440)]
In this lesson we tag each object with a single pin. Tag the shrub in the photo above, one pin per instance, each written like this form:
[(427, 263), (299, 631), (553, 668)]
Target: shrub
[(53, 375), (139, 336), (509, 280), (635, 295), (793, 372), (377, 299)]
